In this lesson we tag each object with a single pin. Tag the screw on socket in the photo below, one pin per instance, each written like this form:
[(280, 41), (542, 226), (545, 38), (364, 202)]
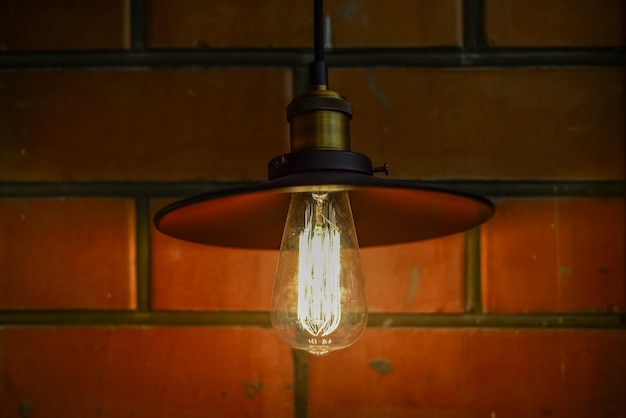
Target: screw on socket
[(382, 169), (280, 161)]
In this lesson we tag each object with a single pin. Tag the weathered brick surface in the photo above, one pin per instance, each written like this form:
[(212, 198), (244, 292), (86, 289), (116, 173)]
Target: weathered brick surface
[(144, 372), (142, 125), (64, 24), (555, 255), (538, 23), (425, 276), (489, 124), (285, 24), (67, 254), (402, 373)]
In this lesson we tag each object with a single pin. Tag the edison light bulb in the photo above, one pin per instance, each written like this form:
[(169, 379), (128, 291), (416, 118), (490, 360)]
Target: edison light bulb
[(319, 302)]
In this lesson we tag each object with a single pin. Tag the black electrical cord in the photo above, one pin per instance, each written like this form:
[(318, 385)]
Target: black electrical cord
[(318, 73), (318, 22)]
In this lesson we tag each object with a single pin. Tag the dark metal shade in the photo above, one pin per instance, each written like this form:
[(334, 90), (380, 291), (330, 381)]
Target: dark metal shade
[(385, 211)]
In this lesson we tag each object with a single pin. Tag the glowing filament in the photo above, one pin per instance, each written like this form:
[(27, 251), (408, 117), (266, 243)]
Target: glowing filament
[(319, 268)]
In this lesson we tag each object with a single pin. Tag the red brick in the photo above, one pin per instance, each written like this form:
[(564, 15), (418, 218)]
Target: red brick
[(133, 125), (539, 23), (425, 276), (192, 276), (489, 124), (63, 24), (67, 253), (144, 372), (358, 23), (554, 255), (472, 373), (284, 23)]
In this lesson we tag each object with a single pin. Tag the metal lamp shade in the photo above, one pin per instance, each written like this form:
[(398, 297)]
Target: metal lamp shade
[(385, 211)]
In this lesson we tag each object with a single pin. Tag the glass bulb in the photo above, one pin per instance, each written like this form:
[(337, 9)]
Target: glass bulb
[(319, 303)]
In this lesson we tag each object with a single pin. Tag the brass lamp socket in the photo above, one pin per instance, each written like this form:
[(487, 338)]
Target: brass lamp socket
[(319, 119)]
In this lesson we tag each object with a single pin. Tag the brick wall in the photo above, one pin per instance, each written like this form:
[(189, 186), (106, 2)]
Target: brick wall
[(110, 109)]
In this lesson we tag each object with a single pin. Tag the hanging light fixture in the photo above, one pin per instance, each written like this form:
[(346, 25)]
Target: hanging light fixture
[(318, 198)]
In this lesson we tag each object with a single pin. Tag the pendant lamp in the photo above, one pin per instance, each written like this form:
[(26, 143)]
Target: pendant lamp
[(320, 204)]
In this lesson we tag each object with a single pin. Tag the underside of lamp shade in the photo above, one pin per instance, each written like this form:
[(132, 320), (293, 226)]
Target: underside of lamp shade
[(385, 211)]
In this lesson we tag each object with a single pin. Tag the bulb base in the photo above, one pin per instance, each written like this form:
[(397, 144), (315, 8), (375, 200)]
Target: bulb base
[(319, 119)]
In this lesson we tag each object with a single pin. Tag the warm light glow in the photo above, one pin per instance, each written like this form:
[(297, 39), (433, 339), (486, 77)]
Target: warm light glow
[(319, 300), (319, 292)]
